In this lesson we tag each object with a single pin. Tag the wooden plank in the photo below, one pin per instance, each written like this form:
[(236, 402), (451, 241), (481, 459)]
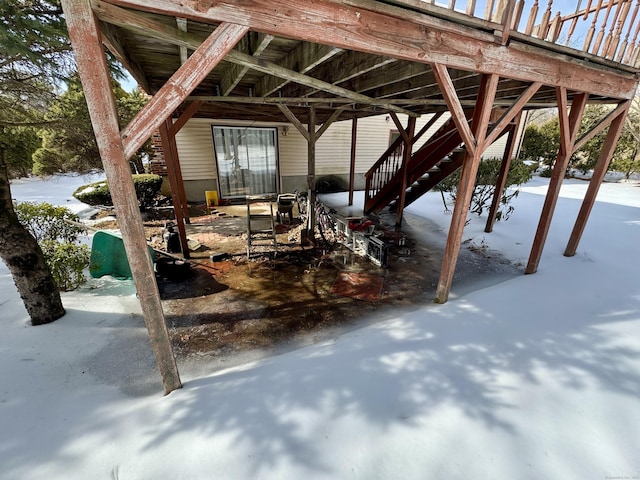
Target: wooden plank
[(457, 113), (569, 126), (596, 180), (180, 85), (465, 187), (94, 75), (380, 29)]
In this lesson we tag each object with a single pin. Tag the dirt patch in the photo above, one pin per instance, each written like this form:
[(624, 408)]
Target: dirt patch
[(267, 301)]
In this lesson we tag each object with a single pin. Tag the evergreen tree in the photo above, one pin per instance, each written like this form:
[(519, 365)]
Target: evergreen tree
[(34, 55)]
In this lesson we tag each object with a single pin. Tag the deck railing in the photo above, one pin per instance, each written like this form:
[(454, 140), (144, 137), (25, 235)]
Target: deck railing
[(605, 28)]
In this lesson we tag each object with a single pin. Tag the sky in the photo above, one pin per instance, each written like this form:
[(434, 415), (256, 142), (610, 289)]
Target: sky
[(536, 377)]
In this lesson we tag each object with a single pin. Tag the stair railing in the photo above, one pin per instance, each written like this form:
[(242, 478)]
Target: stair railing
[(390, 163)]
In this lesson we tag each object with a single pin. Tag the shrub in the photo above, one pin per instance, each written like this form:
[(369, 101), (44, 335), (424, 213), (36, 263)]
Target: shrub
[(485, 185), (58, 239), (147, 187)]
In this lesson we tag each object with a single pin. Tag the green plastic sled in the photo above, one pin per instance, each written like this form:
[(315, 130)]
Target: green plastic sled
[(108, 256)]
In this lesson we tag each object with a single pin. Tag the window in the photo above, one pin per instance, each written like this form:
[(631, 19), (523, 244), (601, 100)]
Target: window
[(246, 159)]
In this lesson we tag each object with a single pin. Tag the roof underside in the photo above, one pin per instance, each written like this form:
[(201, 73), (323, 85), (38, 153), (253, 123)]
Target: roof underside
[(232, 90)]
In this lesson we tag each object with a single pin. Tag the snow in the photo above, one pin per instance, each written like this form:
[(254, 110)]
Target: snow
[(537, 377)]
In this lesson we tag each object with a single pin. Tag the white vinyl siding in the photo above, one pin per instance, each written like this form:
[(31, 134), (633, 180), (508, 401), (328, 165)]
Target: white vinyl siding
[(333, 149), (195, 150)]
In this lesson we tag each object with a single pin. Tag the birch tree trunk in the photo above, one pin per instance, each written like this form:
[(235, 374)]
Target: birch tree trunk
[(22, 254)]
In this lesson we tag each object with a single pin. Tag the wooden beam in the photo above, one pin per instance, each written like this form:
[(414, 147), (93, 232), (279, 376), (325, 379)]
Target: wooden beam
[(457, 113), (600, 126), (408, 136), (96, 82), (189, 112), (501, 181), (111, 41), (334, 116), (278, 71), (174, 128), (596, 179), (569, 125), (182, 26), (382, 29), (352, 163), (180, 85), (296, 123), (178, 206), (466, 185), (341, 68), (403, 133), (305, 101), (311, 173), (513, 111), (304, 58), (257, 43)]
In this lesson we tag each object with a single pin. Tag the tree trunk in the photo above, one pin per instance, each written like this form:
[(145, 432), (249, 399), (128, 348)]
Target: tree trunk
[(22, 254)]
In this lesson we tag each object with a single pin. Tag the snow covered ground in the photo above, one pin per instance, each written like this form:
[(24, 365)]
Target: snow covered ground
[(534, 378)]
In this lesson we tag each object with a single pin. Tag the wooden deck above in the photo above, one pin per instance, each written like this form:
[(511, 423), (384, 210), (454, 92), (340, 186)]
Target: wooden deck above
[(363, 57)]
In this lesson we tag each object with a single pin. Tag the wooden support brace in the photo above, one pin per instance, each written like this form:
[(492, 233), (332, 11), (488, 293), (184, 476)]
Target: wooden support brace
[(479, 125), (180, 85), (569, 126), (502, 175), (596, 180), (448, 90), (94, 75)]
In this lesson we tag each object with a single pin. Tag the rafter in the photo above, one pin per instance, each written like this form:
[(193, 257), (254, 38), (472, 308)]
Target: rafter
[(256, 44), (304, 58), (339, 69), (139, 23)]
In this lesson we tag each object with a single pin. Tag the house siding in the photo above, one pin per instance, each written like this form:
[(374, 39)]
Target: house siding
[(333, 151)]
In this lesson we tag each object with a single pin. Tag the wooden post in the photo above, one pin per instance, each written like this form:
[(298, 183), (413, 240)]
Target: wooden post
[(311, 172), (406, 158), (569, 125), (502, 175), (178, 206), (479, 125), (174, 128), (94, 75), (352, 166), (615, 129)]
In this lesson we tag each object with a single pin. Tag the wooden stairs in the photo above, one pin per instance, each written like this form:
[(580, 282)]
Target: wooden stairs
[(440, 156)]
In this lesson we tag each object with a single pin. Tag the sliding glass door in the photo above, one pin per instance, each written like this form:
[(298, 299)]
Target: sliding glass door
[(247, 160)]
